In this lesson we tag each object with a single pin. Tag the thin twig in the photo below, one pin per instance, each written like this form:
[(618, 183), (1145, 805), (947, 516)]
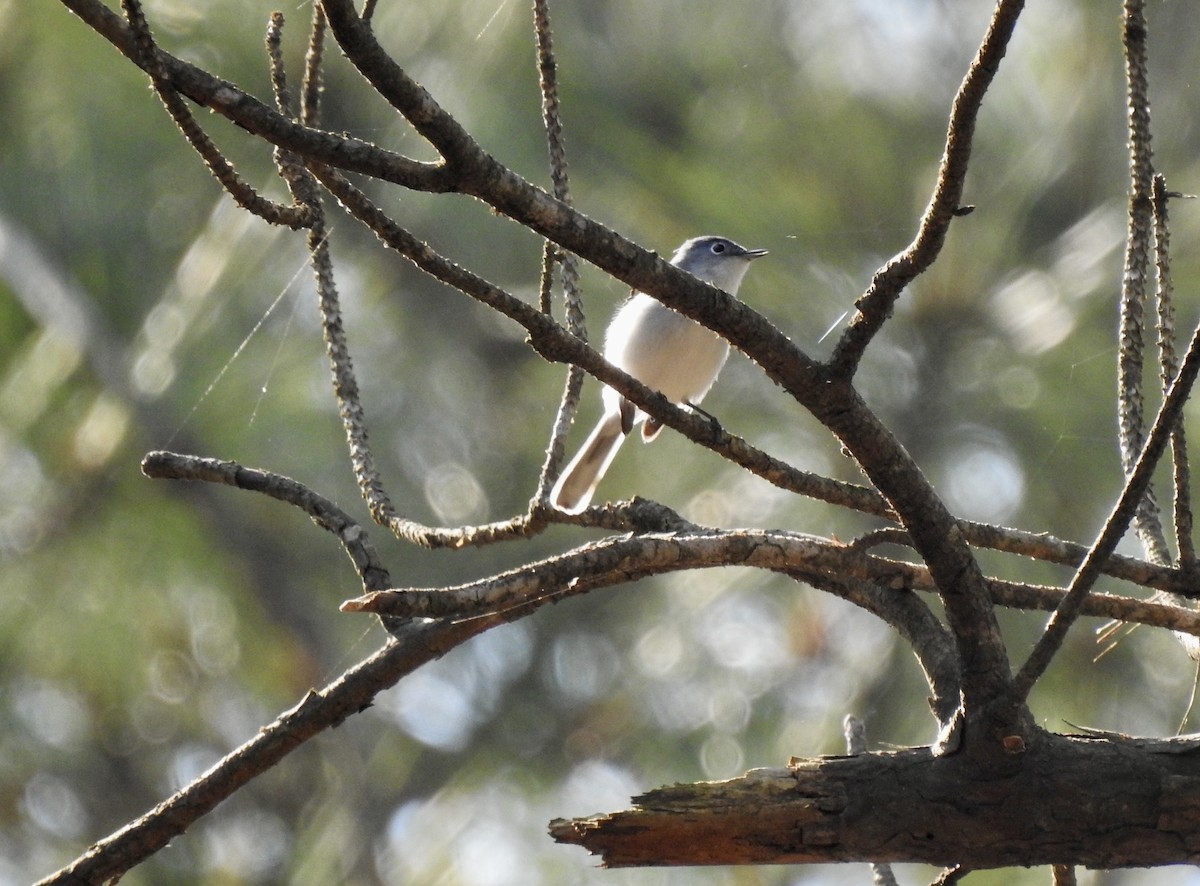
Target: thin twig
[(951, 875), (1116, 524), (553, 256), (1168, 368), (176, 466), (876, 304), (274, 41), (222, 170), (1135, 277), (354, 691), (310, 101)]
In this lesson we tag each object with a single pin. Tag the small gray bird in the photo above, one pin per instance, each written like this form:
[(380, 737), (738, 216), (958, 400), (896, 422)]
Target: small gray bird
[(662, 349)]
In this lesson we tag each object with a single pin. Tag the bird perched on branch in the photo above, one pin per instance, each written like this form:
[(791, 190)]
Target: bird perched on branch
[(662, 349)]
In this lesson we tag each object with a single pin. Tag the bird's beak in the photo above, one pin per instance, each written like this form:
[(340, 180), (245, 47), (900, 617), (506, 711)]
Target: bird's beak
[(754, 253)]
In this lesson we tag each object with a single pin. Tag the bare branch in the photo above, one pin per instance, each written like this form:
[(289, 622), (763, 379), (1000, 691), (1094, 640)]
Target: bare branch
[(876, 304), (827, 565), (321, 709), (310, 107), (552, 255), (913, 806), (935, 534), (222, 170), (1135, 278), (258, 119), (1168, 368), (326, 514), (1116, 524)]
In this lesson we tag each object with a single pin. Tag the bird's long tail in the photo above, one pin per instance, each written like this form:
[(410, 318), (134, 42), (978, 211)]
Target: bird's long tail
[(573, 491)]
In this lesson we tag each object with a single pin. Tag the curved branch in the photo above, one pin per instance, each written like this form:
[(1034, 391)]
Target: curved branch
[(876, 304), (161, 465), (230, 101), (816, 561)]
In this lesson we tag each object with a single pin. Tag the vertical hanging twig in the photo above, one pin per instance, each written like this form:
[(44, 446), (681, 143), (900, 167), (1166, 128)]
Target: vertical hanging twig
[(310, 95), (552, 254), (1168, 367), (1138, 255)]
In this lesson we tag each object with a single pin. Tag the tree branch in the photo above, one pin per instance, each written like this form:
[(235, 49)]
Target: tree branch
[(1139, 249), (876, 304), (322, 709), (1117, 523), (353, 538), (912, 806), (817, 561), (243, 109)]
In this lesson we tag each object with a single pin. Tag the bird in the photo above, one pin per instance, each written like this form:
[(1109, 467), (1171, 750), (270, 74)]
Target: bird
[(662, 349)]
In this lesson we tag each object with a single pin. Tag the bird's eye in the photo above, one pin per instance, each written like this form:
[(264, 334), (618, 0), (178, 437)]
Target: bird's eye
[(718, 248)]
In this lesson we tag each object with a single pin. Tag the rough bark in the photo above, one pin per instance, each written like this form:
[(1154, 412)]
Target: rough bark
[(1100, 801)]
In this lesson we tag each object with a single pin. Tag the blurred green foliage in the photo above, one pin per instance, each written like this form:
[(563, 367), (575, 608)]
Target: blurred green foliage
[(148, 628)]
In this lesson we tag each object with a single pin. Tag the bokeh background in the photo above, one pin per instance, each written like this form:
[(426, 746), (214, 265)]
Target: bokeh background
[(148, 628)]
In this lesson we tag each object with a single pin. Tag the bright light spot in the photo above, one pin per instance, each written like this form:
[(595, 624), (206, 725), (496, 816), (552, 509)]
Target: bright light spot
[(659, 651), (503, 654), (454, 493), (248, 845), (434, 711), (984, 482), (24, 494), (597, 784), (190, 762), (212, 623), (721, 756), (489, 854), (729, 710), (1018, 387), (745, 633), (164, 325), (679, 706), (153, 371), (1031, 309), (54, 714), (155, 721), (35, 376), (583, 666), (53, 806), (892, 376), (172, 676), (100, 432)]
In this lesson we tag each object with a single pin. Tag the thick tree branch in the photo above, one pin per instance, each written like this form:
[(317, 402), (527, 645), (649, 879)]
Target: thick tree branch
[(912, 806), (619, 560), (936, 535)]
